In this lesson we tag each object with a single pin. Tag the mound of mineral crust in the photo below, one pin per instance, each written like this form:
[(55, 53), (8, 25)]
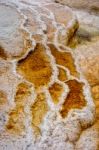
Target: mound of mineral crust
[(45, 101)]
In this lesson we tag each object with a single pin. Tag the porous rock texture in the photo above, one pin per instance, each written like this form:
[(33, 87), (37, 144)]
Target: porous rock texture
[(45, 101)]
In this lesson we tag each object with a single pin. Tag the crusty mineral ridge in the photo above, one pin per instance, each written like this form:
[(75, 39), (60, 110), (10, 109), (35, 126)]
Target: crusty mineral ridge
[(45, 102)]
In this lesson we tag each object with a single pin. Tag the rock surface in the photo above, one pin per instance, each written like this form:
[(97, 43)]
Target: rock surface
[(86, 45), (89, 5), (45, 101)]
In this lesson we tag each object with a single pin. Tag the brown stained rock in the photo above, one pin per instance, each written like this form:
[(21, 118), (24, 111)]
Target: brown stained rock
[(23, 91), (62, 74), (15, 123), (38, 37), (39, 110), (2, 53), (65, 36), (56, 91), (75, 98), (86, 34), (65, 59), (95, 91), (36, 67), (3, 98)]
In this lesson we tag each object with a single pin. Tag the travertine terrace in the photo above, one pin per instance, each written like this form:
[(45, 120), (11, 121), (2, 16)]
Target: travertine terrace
[(45, 101)]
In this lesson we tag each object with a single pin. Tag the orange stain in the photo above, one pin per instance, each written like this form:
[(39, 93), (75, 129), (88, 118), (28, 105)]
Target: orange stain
[(3, 99), (62, 74), (39, 110), (36, 67), (56, 91), (65, 59), (17, 115), (23, 91), (2, 53), (15, 123), (75, 98)]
